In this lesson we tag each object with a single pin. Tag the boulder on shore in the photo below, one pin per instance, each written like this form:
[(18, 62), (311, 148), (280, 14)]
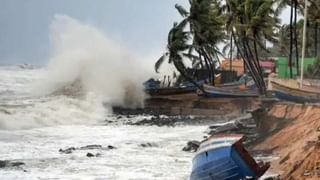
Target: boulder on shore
[(192, 146)]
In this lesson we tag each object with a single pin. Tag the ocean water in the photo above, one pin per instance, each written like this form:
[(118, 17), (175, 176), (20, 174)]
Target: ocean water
[(34, 127)]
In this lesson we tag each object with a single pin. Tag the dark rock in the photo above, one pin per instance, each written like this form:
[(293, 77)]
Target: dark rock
[(192, 146), (90, 155), (111, 147), (15, 164), (5, 164), (148, 145), (89, 147), (67, 151)]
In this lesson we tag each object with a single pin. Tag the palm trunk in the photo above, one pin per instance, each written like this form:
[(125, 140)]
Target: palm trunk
[(256, 67), (246, 62), (206, 64), (210, 64), (291, 40), (260, 73), (251, 65), (231, 53), (316, 40), (296, 35)]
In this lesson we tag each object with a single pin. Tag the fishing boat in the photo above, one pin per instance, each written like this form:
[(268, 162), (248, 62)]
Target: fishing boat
[(244, 80), (238, 91), (291, 90), (223, 157), (153, 88)]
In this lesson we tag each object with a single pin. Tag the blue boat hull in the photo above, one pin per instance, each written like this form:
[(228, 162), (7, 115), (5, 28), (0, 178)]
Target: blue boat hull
[(221, 164), (234, 92)]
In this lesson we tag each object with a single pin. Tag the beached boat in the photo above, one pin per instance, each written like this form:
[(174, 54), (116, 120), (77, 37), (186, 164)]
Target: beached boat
[(238, 91), (153, 88), (311, 84), (290, 90), (244, 79), (224, 157)]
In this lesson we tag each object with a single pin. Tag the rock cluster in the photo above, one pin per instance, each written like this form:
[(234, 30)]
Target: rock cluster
[(192, 146), (8, 164), (88, 147)]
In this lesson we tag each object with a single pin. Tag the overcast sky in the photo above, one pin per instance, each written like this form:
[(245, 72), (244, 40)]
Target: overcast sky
[(141, 25)]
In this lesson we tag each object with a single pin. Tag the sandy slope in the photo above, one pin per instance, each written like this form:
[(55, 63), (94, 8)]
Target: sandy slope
[(293, 133)]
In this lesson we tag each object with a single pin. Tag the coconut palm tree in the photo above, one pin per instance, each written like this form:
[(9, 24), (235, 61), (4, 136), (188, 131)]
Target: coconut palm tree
[(177, 45), (252, 22), (206, 25), (205, 29)]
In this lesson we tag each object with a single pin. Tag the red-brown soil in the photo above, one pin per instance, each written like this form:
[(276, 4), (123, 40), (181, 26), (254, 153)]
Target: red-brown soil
[(292, 132)]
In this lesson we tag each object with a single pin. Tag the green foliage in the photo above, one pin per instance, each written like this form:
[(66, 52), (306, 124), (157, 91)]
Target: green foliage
[(196, 37)]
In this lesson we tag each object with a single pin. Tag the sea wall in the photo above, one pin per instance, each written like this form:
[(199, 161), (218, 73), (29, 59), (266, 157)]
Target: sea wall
[(191, 104)]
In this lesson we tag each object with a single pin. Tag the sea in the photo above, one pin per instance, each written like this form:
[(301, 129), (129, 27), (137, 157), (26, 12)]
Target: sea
[(34, 127)]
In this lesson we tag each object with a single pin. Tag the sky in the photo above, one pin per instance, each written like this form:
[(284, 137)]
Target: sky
[(141, 25)]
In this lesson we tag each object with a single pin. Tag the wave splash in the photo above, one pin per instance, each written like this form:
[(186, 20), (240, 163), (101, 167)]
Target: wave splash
[(84, 59), (87, 74)]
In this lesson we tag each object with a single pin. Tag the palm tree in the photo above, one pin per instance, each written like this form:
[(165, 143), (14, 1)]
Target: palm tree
[(283, 41), (294, 35), (252, 22), (205, 29), (206, 23), (177, 45)]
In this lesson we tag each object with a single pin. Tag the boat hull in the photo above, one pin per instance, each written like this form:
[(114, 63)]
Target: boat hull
[(225, 158), (211, 91), (229, 165), (289, 90)]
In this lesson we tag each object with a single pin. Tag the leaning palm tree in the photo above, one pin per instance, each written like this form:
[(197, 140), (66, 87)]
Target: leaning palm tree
[(206, 23), (176, 47), (252, 22)]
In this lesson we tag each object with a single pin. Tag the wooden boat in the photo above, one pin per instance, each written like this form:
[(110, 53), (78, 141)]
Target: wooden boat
[(290, 90), (242, 81), (310, 84), (238, 91), (224, 157), (154, 89)]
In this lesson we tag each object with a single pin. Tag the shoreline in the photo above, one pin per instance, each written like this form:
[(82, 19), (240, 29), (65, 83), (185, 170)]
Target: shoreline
[(286, 134)]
